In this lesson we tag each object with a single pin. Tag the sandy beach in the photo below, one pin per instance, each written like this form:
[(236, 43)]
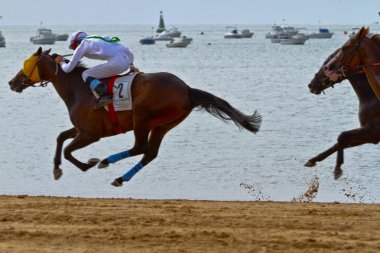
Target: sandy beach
[(64, 224)]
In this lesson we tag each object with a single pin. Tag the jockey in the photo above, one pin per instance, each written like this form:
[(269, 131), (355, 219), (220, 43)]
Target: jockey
[(118, 58)]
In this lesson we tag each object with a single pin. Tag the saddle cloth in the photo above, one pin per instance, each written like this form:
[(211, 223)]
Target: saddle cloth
[(122, 96)]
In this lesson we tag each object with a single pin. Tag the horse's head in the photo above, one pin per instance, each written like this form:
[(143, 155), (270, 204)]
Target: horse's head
[(348, 58), (320, 82), (38, 68)]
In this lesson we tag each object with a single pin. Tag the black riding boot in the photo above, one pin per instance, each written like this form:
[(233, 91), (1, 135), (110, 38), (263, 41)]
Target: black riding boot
[(104, 97)]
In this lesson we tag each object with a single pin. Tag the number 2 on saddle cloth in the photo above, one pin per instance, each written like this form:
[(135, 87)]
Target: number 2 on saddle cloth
[(122, 98)]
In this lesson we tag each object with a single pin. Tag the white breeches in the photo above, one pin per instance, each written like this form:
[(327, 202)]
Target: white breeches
[(114, 66)]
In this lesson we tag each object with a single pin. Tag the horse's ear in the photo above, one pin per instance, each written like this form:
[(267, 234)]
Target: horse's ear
[(363, 31), (47, 51), (39, 51)]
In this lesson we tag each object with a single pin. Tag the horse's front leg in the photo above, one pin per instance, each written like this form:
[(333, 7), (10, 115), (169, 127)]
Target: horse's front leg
[(62, 137), (313, 161), (352, 138), (347, 139), (81, 140)]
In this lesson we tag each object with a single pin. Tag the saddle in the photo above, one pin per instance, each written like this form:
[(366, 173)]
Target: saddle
[(120, 88)]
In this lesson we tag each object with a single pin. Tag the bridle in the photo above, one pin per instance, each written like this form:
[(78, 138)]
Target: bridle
[(28, 82), (358, 69), (343, 69)]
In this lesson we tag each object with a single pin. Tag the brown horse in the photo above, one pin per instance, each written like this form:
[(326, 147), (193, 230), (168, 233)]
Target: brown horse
[(369, 105), (160, 102)]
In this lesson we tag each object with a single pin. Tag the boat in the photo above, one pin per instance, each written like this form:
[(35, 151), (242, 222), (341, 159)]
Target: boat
[(58, 37), (147, 41), (323, 33), (278, 38), (298, 39), (168, 35), (2, 40), (61, 37), (233, 34), (44, 36), (281, 30), (247, 33), (182, 41)]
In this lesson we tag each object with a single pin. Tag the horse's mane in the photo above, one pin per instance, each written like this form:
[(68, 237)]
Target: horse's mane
[(80, 67)]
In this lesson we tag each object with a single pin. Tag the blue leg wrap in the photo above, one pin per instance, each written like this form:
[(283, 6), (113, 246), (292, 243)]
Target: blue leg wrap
[(117, 157), (127, 176)]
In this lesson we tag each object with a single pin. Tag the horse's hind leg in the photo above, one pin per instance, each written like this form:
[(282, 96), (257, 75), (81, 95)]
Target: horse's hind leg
[(155, 139), (62, 137), (140, 146), (81, 140)]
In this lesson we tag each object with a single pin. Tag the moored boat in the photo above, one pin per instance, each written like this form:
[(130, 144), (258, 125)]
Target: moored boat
[(298, 39), (247, 33), (323, 33), (168, 34), (281, 31), (182, 41), (234, 34), (44, 36)]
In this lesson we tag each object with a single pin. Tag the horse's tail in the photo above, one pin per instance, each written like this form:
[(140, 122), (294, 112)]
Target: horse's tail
[(224, 111)]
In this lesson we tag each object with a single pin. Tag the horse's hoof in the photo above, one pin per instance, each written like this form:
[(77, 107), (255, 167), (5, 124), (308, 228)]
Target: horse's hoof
[(310, 164), (57, 173), (103, 164), (93, 161), (117, 182), (338, 173)]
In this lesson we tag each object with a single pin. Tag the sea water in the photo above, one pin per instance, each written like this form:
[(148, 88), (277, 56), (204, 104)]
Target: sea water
[(202, 158)]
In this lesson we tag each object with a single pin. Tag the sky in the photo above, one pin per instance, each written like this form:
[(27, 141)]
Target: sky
[(126, 12)]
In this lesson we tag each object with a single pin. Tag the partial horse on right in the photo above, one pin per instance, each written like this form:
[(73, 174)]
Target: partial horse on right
[(358, 61)]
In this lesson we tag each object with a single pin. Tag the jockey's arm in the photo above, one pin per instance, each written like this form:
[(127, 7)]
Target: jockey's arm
[(78, 54)]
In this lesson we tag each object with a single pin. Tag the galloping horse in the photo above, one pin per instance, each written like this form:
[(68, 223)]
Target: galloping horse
[(369, 104), (160, 102)]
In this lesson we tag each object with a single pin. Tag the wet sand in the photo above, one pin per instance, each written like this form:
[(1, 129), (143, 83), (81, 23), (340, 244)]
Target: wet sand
[(54, 224)]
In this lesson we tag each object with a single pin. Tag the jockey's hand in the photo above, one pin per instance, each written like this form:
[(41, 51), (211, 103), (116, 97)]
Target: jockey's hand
[(59, 59)]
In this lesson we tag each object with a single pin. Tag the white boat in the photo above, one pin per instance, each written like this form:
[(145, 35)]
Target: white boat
[(281, 30), (298, 39), (2, 40), (234, 34), (168, 34), (278, 38), (61, 37), (44, 36), (247, 33), (323, 33), (182, 41)]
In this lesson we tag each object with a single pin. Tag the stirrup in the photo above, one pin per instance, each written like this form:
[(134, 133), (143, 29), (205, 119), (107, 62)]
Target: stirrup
[(102, 101)]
